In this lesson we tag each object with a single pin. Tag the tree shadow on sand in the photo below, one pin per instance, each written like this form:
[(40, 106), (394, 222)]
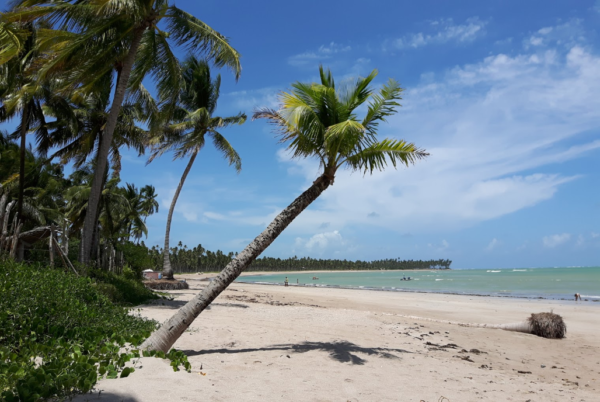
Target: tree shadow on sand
[(177, 304), (342, 351), (105, 397)]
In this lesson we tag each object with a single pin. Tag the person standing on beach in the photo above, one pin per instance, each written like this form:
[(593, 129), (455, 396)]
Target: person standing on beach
[(286, 281), (577, 296)]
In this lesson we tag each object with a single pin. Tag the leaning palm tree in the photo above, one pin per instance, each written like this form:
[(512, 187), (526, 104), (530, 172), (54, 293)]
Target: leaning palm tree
[(193, 122), (98, 36), (318, 120)]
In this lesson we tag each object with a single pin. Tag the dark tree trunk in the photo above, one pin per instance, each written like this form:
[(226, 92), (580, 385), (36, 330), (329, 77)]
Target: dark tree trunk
[(164, 338), (24, 128), (107, 135), (167, 269)]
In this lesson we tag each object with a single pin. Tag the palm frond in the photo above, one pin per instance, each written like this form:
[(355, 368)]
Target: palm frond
[(383, 104), (187, 30), (376, 156), (227, 150)]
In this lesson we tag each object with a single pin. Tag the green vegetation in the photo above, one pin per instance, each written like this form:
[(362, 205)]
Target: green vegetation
[(60, 333), (72, 74), (51, 199)]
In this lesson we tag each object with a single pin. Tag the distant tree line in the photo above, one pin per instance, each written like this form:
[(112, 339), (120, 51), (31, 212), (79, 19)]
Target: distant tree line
[(198, 259)]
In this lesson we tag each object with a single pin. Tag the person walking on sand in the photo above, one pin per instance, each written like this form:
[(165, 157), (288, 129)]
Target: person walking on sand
[(577, 297), (286, 281)]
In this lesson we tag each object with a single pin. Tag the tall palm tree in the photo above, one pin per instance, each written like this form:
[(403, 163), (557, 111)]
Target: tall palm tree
[(21, 96), (78, 128), (318, 121), (100, 36), (193, 121)]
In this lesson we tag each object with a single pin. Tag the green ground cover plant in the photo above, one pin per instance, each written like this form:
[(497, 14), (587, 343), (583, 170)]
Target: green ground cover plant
[(60, 333)]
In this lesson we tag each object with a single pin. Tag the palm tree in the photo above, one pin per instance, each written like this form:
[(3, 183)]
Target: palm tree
[(318, 121), (101, 36), (78, 128), (194, 120), (142, 203), (20, 95), (148, 204)]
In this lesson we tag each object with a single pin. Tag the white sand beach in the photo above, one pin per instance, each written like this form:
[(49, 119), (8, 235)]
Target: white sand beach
[(273, 343)]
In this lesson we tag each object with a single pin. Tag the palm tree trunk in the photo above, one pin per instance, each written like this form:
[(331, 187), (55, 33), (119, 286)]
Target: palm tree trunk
[(3, 201), (24, 127), (167, 269), (97, 183), (163, 338), (51, 246)]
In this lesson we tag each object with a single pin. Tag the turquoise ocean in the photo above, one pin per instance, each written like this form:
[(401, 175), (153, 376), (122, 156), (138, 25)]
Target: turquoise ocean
[(547, 283)]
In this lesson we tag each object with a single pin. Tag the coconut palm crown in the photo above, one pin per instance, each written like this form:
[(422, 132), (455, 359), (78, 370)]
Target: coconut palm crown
[(188, 125), (317, 120)]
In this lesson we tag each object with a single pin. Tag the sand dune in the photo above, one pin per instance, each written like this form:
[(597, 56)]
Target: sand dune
[(263, 343)]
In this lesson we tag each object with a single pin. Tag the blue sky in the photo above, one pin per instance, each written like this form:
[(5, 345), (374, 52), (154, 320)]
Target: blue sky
[(503, 94)]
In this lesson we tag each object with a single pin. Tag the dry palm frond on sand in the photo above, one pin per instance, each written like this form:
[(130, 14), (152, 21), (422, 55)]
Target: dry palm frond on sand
[(546, 325)]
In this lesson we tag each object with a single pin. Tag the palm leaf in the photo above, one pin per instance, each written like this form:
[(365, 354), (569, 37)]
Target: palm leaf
[(187, 30), (376, 156)]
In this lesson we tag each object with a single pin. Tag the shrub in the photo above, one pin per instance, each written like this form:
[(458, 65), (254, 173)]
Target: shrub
[(128, 291), (136, 256), (60, 333)]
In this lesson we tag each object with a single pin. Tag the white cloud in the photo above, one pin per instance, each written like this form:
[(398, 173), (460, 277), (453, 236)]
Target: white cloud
[(488, 126), (493, 244), (567, 34), (556, 240), (445, 31), (595, 235), (318, 243), (580, 240), (444, 245), (324, 52), (190, 211), (251, 99), (322, 240)]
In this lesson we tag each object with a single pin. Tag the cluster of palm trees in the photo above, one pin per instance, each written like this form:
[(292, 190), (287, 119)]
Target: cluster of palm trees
[(73, 74), (196, 259), (308, 263), (51, 199)]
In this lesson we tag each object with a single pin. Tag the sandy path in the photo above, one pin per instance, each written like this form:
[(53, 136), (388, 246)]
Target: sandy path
[(263, 343)]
